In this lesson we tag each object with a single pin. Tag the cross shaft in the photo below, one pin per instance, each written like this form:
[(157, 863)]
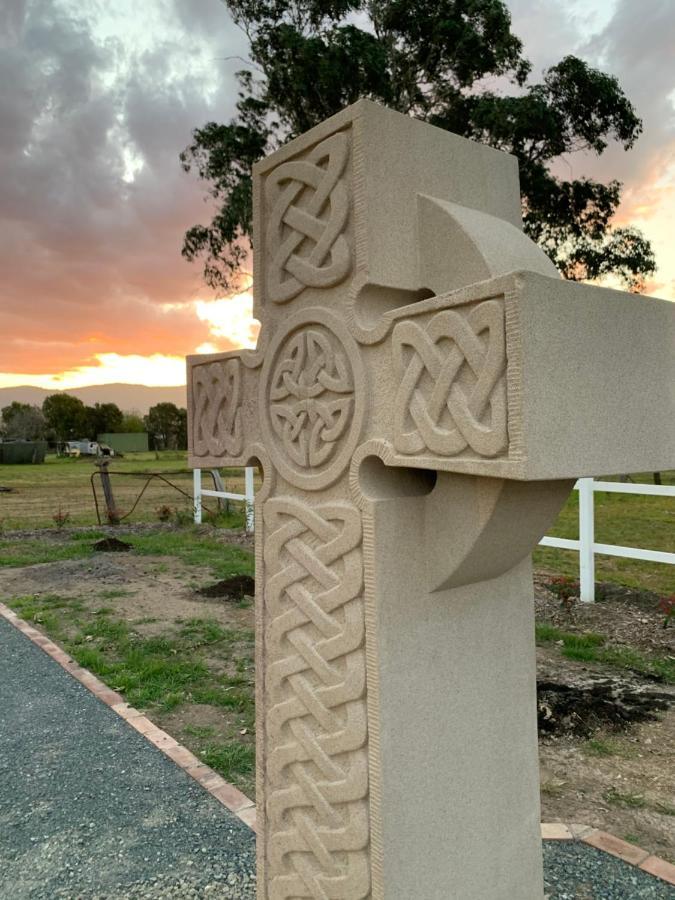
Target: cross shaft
[(413, 407)]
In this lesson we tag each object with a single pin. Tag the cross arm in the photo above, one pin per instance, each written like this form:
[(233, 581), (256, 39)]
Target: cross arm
[(222, 408), (528, 377)]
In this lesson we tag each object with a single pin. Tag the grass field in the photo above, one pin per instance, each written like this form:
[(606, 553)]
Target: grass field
[(39, 492), (187, 544), (629, 520)]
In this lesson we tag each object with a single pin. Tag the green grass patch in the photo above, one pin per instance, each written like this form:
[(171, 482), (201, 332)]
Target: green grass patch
[(227, 697), (195, 549), (661, 667), (232, 761), (199, 731), (113, 594), (666, 809), (591, 647), (600, 747), (625, 800), (605, 746), (547, 634), (200, 632), (211, 554), (31, 552)]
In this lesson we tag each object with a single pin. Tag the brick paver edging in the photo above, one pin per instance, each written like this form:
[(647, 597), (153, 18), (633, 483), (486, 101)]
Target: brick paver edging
[(601, 840), (244, 808)]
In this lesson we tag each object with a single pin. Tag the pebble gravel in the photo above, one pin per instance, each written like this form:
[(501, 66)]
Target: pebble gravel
[(575, 871), (90, 810)]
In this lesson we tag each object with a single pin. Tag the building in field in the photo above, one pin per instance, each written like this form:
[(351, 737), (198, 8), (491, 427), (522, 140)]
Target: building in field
[(15, 452), (125, 442)]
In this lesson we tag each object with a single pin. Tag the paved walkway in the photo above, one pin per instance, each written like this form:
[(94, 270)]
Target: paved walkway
[(90, 810)]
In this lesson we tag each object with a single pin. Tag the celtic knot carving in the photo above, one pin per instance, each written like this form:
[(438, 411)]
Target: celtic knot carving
[(452, 392), (316, 722), (310, 208), (311, 396), (216, 391)]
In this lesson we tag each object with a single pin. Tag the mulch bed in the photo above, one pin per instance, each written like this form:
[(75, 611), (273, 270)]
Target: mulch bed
[(581, 709)]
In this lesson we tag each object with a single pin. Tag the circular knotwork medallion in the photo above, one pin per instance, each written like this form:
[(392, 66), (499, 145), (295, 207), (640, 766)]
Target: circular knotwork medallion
[(311, 399)]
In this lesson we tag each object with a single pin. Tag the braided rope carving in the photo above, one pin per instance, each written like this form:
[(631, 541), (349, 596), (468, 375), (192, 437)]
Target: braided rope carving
[(316, 723), (309, 214), (452, 392), (216, 390)]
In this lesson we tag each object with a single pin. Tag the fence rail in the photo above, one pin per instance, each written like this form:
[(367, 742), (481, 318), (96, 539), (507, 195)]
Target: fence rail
[(586, 545), (247, 497)]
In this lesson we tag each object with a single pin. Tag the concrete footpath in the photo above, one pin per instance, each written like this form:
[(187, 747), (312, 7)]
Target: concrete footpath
[(91, 810)]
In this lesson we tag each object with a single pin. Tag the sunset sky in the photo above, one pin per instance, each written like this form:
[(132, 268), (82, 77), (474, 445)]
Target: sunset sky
[(98, 98)]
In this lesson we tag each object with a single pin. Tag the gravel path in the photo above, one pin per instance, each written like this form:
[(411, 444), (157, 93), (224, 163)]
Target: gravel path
[(575, 871), (89, 810)]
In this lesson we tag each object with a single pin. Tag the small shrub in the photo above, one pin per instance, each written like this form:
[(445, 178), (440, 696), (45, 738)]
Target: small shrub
[(61, 518), (183, 517), (165, 513), (113, 517), (666, 605), (564, 587)]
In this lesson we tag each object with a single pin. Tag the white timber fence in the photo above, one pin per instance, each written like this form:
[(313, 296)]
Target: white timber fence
[(586, 545), (247, 497)]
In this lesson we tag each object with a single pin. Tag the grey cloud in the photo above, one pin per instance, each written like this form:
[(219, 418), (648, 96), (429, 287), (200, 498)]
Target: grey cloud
[(636, 46), (80, 245)]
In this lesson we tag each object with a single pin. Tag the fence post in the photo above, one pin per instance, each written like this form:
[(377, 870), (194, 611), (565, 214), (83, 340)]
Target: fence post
[(197, 493), (112, 514), (586, 540), (248, 490)]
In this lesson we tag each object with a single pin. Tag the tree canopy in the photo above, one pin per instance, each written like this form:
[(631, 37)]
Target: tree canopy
[(66, 416), (167, 426), (453, 63), (21, 421), (103, 418)]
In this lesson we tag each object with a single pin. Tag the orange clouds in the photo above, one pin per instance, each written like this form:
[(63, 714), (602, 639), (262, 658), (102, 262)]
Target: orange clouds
[(230, 318), (149, 345)]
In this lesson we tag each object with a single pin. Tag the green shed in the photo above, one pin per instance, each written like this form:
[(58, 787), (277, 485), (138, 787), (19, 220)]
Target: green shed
[(125, 442), (22, 451)]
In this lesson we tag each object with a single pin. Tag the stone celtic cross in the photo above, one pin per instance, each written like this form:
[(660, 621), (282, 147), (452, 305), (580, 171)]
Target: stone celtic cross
[(424, 391)]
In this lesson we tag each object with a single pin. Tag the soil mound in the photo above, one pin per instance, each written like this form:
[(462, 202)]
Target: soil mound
[(112, 545), (235, 588)]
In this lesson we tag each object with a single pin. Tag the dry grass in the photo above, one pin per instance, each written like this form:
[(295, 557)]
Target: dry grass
[(59, 484)]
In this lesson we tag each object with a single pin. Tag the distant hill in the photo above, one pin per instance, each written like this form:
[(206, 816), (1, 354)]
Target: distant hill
[(128, 397)]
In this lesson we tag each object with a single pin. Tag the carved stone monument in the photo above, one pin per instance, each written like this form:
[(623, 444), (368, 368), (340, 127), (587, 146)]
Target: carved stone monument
[(424, 391)]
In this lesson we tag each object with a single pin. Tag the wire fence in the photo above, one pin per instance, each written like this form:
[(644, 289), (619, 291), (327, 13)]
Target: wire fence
[(36, 497)]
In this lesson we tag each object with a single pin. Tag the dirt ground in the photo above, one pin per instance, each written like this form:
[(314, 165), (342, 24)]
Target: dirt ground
[(621, 779), (157, 588)]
